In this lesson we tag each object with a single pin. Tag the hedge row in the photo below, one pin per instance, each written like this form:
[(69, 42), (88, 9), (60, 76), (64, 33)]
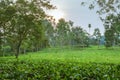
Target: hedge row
[(49, 70)]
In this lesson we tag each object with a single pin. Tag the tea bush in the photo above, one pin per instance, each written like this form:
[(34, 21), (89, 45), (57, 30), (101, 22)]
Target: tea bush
[(59, 70)]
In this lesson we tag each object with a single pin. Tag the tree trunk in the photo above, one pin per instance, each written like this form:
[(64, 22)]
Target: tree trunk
[(98, 43), (18, 49), (0, 42)]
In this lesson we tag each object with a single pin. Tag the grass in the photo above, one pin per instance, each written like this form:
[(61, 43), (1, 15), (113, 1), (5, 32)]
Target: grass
[(79, 55), (87, 55)]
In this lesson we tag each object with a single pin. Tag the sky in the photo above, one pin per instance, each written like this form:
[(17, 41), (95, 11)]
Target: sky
[(80, 15)]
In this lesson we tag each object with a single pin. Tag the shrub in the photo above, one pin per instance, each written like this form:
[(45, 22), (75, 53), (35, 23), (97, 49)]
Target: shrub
[(49, 70)]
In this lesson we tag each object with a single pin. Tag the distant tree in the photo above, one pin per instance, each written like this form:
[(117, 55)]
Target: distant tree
[(49, 32), (80, 37), (109, 37), (112, 26), (71, 23), (63, 30), (110, 9), (89, 26), (97, 35), (70, 34)]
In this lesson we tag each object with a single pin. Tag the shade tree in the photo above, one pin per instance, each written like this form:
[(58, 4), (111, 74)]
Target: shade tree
[(21, 19)]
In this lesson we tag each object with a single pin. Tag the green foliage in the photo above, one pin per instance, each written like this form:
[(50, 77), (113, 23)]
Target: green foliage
[(105, 6), (109, 38), (65, 34), (21, 21), (0, 41), (58, 70), (112, 31), (110, 9), (62, 32), (79, 37), (97, 36)]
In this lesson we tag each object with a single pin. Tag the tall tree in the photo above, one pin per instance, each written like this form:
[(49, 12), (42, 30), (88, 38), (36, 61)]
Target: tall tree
[(109, 37), (0, 41), (89, 26), (97, 35), (63, 30), (112, 26), (49, 32), (25, 21), (80, 37), (107, 8)]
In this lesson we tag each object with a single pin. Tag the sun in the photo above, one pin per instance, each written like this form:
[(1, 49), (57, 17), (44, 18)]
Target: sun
[(57, 14)]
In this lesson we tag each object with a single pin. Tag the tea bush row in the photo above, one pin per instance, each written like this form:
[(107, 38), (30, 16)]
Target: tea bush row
[(51, 70)]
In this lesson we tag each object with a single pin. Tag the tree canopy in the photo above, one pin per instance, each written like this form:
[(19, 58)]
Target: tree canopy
[(108, 10), (21, 20)]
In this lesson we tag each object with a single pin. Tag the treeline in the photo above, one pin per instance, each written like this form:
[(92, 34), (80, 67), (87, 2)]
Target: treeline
[(25, 27), (109, 14), (64, 33)]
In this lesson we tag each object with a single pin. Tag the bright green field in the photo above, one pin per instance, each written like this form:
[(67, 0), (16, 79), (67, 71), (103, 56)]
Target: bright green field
[(75, 55), (84, 56)]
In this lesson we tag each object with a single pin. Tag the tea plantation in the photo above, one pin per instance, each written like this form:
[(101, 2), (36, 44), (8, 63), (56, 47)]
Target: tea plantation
[(52, 64)]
